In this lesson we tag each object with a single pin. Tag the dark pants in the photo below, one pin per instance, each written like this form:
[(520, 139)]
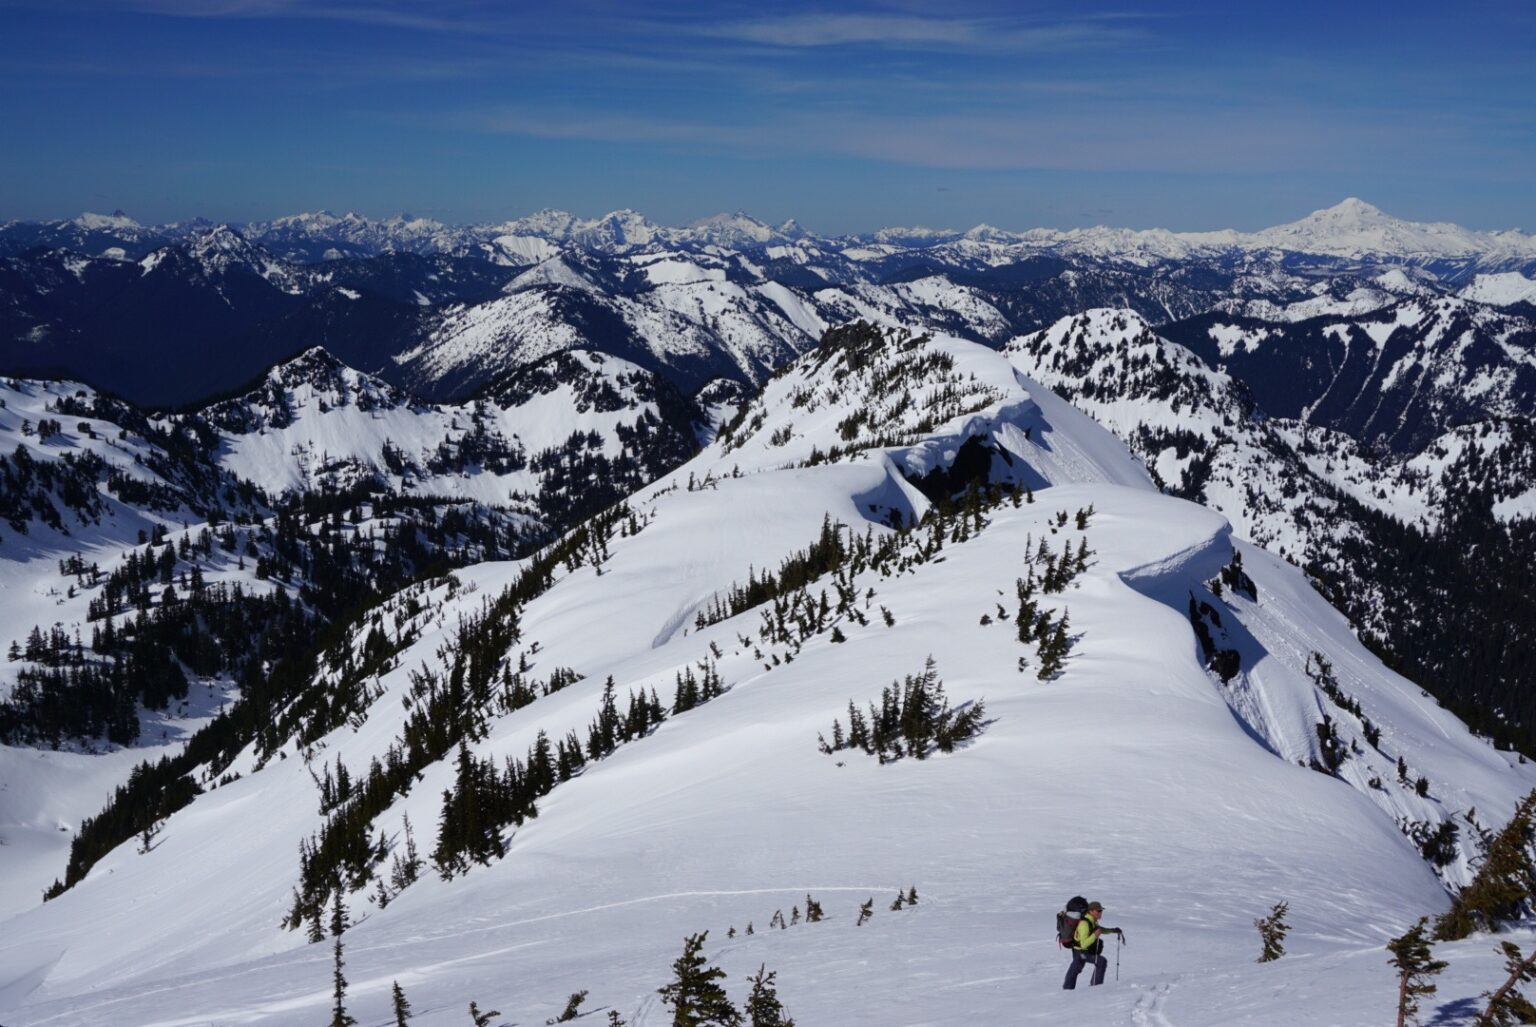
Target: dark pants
[(1081, 959)]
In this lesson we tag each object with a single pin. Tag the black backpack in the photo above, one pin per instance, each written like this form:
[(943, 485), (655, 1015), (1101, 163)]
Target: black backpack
[(1067, 921)]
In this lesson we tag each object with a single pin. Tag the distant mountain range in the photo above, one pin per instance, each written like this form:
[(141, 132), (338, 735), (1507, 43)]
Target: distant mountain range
[(176, 314), (1352, 229)]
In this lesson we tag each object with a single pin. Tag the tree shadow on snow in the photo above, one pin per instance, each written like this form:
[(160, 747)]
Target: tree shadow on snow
[(1457, 1012)]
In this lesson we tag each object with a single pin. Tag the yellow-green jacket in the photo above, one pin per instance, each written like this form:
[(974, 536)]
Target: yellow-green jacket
[(1086, 937)]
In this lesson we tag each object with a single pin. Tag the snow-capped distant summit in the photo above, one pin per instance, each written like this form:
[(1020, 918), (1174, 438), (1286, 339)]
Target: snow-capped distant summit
[(116, 220), (1355, 228), (912, 235), (736, 231)]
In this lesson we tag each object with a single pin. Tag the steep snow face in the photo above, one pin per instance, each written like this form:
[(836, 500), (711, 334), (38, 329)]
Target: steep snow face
[(1126, 774)]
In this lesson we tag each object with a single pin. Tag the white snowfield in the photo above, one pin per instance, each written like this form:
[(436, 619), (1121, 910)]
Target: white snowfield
[(1134, 777)]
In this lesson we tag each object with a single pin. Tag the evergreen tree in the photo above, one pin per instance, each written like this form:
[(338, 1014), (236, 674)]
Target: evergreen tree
[(866, 911), (813, 913), (1415, 970), (572, 1005), (1504, 885), (695, 994), (1272, 931), (1508, 1005), (482, 1019), (763, 1008), (402, 1006), (339, 1015)]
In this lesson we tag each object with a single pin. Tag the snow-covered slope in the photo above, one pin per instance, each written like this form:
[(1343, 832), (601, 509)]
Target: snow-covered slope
[(1501, 290), (316, 425), (1131, 773)]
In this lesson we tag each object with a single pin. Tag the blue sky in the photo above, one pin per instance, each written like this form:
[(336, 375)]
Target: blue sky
[(848, 117)]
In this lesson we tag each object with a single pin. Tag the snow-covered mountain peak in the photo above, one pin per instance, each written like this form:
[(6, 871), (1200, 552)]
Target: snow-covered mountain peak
[(735, 231), (990, 233), (315, 380), (222, 238), (1501, 290), (618, 230), (116, 221), (913, 235), (1355, 228)]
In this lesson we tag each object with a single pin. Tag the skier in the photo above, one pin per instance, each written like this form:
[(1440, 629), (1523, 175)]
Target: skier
[(1087, 944)]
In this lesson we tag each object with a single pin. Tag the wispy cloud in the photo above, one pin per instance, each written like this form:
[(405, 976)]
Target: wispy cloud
[(899, 31), (1107, 138), (401, 14)]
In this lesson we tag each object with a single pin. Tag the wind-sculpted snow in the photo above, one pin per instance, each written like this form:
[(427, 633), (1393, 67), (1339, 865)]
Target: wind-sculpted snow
[(1124, 774)]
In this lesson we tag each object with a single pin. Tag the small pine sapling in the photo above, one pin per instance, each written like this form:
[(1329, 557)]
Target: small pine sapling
[(866, 911), (813, 913), (794, 916), (763, 1006), (912, 895), (749, 928), (482, 1019), (732, 932), (1272, 931), (572, 1008), (1415, 971), (896, 906), (778, 919), (695, 993), (614, 1019), (1507, 1005)]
